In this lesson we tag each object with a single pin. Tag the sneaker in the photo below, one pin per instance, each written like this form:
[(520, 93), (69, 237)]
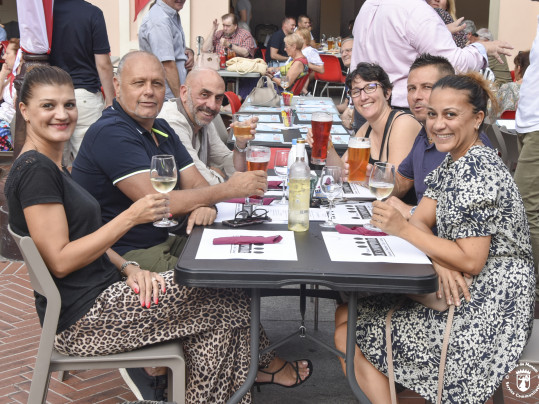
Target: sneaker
[(144, 386)]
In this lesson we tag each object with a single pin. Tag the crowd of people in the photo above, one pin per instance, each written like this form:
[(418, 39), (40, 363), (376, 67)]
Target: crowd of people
[(422, 103)]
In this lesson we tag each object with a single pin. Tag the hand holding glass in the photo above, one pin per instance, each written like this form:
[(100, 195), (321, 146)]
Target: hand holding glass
[(281, 169), (381, 184), (242, 126), (285, 82), (163, 176), (331, 187)]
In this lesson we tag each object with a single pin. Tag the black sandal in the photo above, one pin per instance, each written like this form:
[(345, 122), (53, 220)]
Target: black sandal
[(298, 382)]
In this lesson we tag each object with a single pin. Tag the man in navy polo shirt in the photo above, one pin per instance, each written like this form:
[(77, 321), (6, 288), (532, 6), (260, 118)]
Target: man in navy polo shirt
[(275, 49), (424, 157), (113, 164)]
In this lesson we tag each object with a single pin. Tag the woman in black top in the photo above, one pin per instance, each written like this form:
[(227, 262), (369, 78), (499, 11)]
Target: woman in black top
[(102, 314)]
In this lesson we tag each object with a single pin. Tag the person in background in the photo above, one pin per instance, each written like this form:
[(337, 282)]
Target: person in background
[(508, 94), (231, 37), (347, 114), (315, 63), (470, 31), (527, 127), (482, 235), (9, 94), (3, 33), (298, 66), (447, 11), (161, 33), (244, 14), (412, 28), (304, 22), (501, 71), (424, 156), (80, 46), (275, 47)]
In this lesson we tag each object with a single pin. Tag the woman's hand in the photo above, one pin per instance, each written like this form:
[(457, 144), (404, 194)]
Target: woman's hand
[(150, 208), (387, 218), (450, 284), (147, 285)]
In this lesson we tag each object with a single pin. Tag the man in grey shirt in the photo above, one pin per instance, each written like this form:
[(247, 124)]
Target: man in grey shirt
[(161, 33), (243, 12)]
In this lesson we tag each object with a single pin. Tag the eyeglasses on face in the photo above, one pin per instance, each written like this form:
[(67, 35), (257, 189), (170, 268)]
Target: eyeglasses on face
[(368, 89), (258, 214)]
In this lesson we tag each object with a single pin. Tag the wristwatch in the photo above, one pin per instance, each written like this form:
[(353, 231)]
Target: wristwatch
[(240, 150), (125, 264), (229, 46)]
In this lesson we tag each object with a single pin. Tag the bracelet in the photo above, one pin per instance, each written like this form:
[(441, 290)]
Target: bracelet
[(240, 150), (125, 264)]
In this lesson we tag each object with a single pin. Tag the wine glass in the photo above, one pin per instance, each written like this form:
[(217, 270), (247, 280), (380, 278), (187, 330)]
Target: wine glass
[(285, 82), (381, 184), (163, 176), (331, 187), (281, 169)]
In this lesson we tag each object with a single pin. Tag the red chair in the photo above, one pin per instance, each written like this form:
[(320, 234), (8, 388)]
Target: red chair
[(234, 100), (299, 84), (263, 50), (271, 163), (332, 75), (508, 115)]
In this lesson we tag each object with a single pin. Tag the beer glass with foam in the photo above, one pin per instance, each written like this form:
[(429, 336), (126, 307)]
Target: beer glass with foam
[(359, 151)]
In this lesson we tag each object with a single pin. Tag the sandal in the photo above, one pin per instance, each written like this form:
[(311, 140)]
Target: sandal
[(298, 382)]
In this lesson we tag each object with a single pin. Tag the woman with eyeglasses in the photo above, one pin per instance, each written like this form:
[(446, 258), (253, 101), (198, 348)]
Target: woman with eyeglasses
[(391, 132)]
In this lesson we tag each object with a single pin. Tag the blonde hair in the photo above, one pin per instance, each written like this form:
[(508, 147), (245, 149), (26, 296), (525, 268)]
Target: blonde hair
[(305, 34), (294, 39), (452, 9)]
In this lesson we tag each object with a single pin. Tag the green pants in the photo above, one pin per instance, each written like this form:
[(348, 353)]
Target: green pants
[(527, 179), (159, 258)]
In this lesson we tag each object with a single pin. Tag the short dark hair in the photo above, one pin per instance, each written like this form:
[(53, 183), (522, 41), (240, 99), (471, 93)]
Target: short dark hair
[(303, 16), (286, 18), (43, 76), (444, 66), (370, 72), (476, 87), (522, 59), (232, 16)]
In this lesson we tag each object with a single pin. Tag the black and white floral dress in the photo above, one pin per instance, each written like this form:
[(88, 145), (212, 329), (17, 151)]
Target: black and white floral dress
[(476, 196)]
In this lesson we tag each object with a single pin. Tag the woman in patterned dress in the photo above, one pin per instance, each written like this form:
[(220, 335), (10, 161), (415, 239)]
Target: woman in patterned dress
[(482, 234), (509, 93)]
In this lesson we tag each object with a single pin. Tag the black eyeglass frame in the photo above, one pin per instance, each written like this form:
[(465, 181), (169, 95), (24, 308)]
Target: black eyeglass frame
[(243, 216), (371, 86)]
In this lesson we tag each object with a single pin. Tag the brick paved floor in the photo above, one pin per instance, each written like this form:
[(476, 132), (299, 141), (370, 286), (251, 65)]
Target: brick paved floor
[(19, 338)]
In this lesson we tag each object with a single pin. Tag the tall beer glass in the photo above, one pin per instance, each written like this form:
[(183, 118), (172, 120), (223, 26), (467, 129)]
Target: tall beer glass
[(258, 158), (359, 151), (321, 127)]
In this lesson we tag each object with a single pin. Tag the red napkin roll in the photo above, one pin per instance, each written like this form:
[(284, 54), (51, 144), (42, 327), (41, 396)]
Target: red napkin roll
[(266, 201), (358, 230), (274, 184), (247, 240)]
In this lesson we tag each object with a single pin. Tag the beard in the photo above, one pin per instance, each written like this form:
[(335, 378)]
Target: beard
[(193, 111)]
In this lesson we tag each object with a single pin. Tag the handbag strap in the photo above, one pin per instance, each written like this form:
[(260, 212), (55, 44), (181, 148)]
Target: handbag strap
[(243, 61), (443, 356)]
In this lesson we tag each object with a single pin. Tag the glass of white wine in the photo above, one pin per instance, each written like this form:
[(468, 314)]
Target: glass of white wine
[(331, 187), (381, 184), (163, 176), (285, 82)]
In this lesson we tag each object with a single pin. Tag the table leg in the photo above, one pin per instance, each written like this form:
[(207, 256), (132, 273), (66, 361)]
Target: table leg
[(236, 90), (351, 349), (255, 340)]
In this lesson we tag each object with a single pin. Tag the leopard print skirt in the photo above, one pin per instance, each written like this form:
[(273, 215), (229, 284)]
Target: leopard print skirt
[(212, 324)]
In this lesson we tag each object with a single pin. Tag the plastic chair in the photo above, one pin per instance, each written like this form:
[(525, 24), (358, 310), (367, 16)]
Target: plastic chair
[(529, 355), (169, 354), (511, 144), (299, 84), (234, 100), (508, 114), (332, 75)]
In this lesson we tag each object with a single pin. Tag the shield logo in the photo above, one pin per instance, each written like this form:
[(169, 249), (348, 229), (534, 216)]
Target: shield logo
[(523, 381)]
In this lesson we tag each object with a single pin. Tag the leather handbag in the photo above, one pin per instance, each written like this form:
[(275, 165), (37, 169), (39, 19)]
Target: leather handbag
[(264, 96), (208, 60), (244, 65)]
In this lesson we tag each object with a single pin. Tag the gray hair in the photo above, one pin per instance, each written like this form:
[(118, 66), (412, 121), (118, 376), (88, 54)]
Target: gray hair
[(128, 56), (470, 27), (484, 34)]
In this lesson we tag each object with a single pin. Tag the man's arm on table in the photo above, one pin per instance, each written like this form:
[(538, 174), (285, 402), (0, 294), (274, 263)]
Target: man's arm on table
[(274, 52), (172, 76)]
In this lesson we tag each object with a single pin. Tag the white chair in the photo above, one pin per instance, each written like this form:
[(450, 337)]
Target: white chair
[(168, 354)]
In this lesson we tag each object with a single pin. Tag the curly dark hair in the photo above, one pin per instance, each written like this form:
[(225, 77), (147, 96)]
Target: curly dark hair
[(371, 72)]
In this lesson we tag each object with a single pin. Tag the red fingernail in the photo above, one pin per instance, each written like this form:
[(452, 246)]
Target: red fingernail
[(156, 301), (149, 305), (136, 290), (143, 304), (164, 290)]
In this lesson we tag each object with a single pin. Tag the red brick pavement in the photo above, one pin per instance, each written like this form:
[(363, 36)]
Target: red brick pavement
[(19, 338)]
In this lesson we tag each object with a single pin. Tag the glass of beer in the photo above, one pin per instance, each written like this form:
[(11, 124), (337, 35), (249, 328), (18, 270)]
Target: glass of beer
[(321, 127), (258, 158), (331, 42), (359, 151), (241, 125)]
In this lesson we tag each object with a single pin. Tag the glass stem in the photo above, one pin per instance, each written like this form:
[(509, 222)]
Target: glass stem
[(284, 189)]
